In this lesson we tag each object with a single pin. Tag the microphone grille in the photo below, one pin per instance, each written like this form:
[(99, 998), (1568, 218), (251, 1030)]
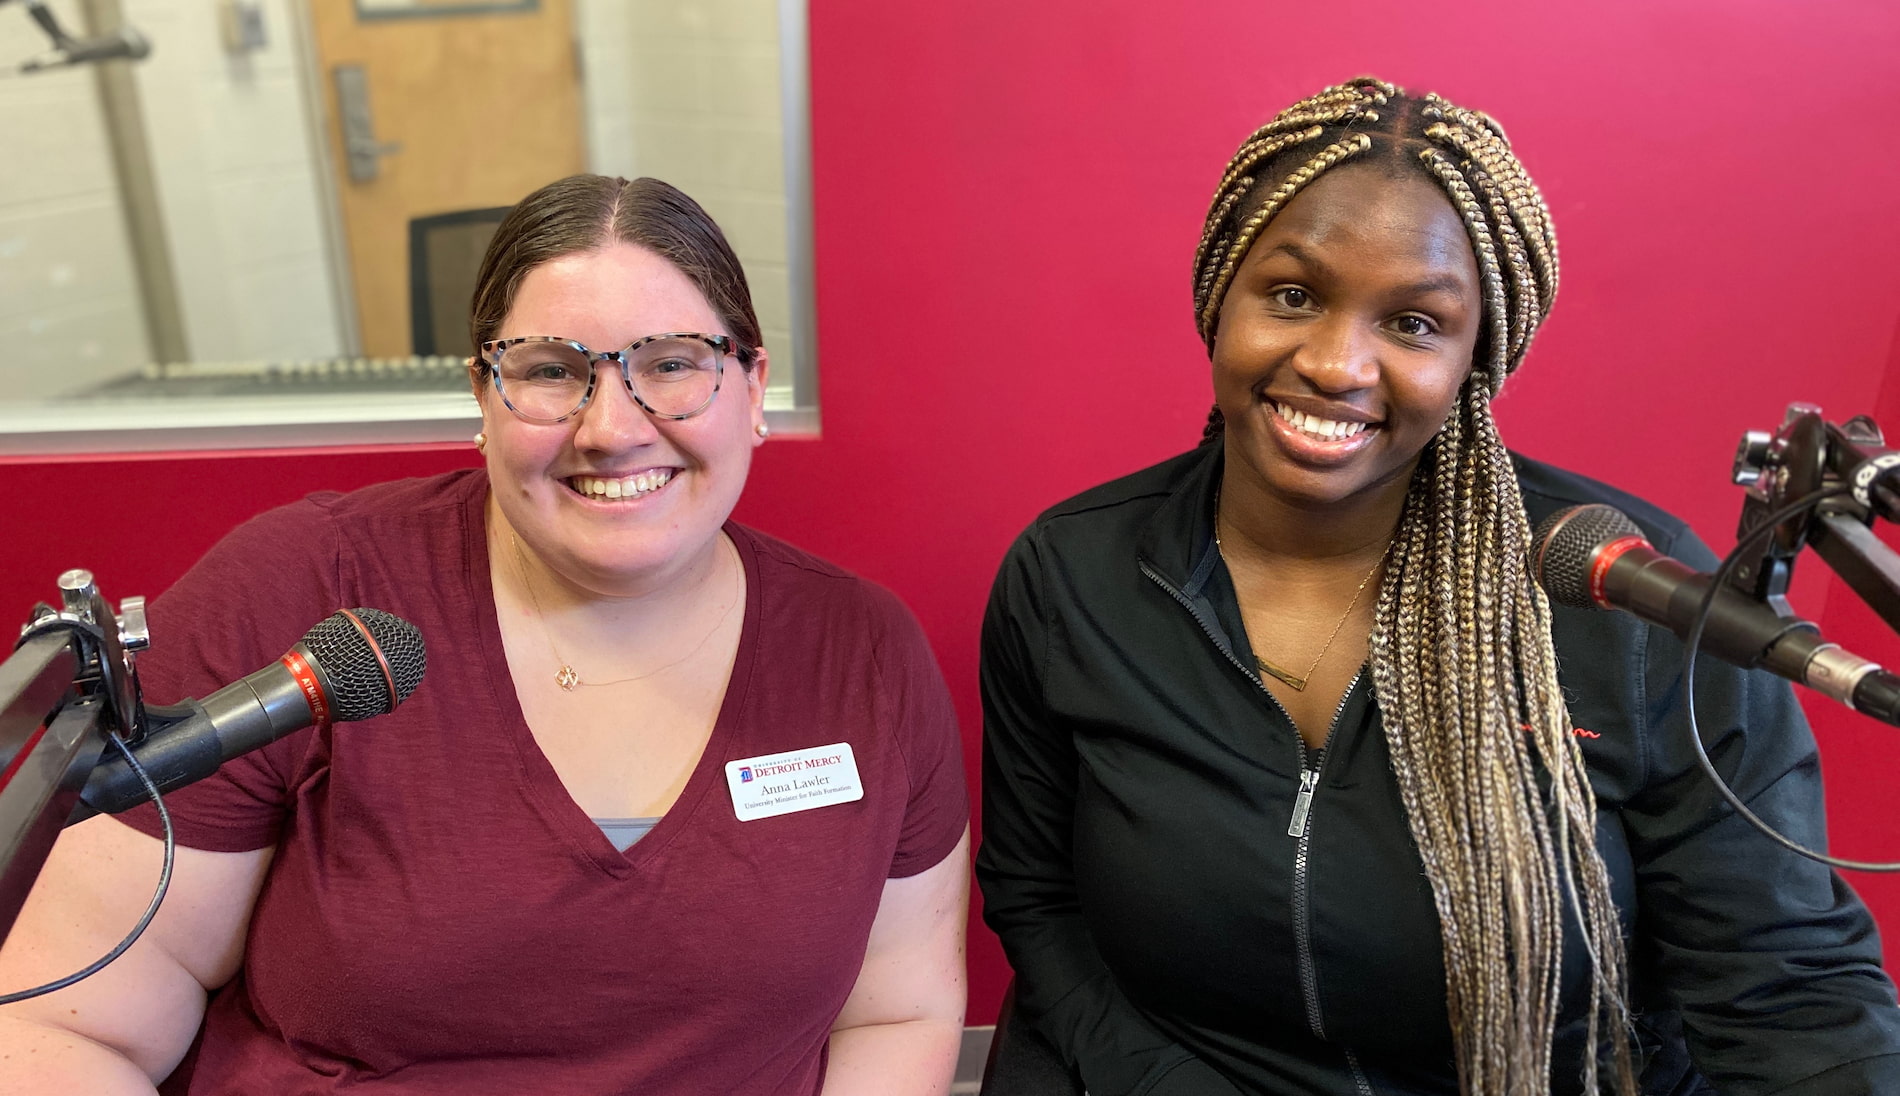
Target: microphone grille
[(359, 686), (1563, 544)]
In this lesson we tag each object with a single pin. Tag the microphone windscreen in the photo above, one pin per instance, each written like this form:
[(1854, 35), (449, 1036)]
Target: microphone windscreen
[(1562, 544), (370, 668)]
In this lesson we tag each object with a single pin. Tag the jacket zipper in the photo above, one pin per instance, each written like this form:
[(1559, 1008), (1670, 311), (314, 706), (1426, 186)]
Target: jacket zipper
[(1299, 826), (1303, 802)]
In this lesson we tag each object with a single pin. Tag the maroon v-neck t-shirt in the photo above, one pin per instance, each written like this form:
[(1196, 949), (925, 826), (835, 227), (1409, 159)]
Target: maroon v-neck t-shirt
[(441, 917)]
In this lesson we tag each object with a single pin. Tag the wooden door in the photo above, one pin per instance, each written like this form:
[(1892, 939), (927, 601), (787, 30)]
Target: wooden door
[(473, 108)]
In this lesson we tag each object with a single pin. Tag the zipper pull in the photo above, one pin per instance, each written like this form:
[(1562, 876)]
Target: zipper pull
[(1303, 802)]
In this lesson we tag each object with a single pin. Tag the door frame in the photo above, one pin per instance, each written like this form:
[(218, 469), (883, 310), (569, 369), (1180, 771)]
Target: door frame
[(316, 96)]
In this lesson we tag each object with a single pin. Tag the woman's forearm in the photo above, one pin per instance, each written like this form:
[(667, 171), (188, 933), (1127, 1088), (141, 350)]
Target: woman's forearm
[(912, 1058), (39, 1060)]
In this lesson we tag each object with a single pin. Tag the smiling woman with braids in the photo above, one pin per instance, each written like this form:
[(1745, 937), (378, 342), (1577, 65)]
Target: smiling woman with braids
[(1294, 782)]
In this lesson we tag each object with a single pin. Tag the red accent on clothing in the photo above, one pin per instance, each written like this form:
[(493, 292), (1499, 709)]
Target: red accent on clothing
[(1578, 731), (440, 917)]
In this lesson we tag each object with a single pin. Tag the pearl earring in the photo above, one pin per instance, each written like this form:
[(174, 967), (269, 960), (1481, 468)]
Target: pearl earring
[(481, 441), (763, 430)]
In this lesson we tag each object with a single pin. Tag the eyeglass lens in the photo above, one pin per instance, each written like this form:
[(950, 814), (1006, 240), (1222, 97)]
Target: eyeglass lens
[(548, 380)]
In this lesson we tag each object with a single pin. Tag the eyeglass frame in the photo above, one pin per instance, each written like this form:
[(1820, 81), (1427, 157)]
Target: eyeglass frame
[(724, 344)]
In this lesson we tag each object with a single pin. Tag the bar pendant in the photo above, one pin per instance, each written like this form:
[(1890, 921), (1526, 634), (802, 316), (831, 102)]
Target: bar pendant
[(1297, 682)]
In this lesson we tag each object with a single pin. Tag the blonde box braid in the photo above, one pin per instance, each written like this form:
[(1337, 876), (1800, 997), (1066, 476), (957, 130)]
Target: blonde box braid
[(1493, 783)]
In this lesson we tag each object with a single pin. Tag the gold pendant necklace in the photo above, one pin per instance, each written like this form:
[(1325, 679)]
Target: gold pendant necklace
[(567, 677), (1297, 682)]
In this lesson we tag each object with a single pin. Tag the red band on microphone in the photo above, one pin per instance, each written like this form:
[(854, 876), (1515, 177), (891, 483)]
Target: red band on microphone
[(306, 678), (1607, 555)]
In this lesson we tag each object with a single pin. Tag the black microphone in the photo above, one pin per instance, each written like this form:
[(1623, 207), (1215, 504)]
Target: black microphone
[(355, 664), (125, 43), (1595, 557)]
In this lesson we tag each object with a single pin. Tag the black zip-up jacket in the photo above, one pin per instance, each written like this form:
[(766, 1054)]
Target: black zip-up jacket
[(1175, 931)]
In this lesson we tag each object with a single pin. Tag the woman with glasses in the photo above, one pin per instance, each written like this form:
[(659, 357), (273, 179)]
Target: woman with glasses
[(677, 809), (1294, 781)]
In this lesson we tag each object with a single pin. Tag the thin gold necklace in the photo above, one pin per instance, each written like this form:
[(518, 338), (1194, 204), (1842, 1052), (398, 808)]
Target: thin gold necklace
[(1298, 681), (567, 677)]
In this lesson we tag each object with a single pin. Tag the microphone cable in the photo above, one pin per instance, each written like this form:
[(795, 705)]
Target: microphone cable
[(164, 884), (1693, 639)]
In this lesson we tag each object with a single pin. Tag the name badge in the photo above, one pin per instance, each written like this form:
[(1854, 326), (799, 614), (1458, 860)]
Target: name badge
[(775, 784)]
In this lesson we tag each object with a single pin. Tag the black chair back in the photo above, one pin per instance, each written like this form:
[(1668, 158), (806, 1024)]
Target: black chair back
[(445, 254)]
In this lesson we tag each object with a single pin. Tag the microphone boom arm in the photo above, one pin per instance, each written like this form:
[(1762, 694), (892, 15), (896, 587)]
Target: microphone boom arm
[(1870, 568), (70, 682), (50, 24), (50, 740)]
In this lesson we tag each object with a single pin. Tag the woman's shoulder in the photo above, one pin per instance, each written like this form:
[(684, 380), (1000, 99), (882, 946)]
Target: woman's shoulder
[(1547, 489), (1133, 495), (777, 554), (394, 498), (794, 576), (319, 547), (291, 564), (379, 519), (418, 496), (1093, 536)]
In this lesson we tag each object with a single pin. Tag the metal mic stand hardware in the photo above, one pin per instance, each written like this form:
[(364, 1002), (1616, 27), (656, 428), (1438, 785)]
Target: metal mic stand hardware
[(69, 682)]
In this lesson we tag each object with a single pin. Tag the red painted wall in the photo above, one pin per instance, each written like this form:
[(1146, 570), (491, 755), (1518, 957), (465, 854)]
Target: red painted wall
[(1008, 198)]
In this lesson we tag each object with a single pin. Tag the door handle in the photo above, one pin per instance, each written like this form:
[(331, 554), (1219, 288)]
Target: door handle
[(360, 145)]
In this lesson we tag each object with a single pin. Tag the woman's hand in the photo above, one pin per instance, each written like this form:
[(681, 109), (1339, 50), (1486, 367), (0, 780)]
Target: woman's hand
[(126, 1027), (902, 1026)]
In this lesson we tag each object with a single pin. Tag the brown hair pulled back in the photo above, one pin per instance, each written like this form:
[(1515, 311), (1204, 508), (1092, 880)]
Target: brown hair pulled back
[(583, 212), (1493, 783)]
